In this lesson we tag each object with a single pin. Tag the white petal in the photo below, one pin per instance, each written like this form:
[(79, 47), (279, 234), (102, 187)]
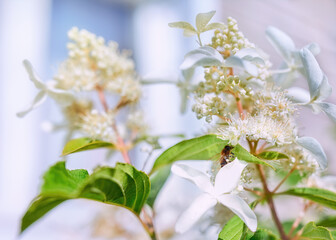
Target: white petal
[(241, 209), (62, 97), (195, 211), (200, 179), (38, 100), (32, 75), (228, 177)]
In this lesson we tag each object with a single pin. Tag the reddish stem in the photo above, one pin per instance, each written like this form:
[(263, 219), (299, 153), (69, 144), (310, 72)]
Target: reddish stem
[(121, 144)]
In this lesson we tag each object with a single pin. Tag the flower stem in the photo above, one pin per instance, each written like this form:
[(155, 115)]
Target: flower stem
[(159, 81), (199, 39), (269, 199), (121, 144)]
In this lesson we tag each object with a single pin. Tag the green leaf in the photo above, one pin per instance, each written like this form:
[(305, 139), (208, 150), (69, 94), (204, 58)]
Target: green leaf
[(310, 231), (282, 43), (287, 226), (158, 179), (242, 154), (233, 230), (318, 195), (84, 144), (333, 234), (263, 234), (202, 19), (328, 221), (189, 30), (271, 155), (122, 186), (313, 146), (201, 148)]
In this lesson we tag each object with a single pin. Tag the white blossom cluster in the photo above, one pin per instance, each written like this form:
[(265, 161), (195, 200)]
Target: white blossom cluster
[(136, 122), (275, 103), (99, 126), (100, 68), (92, 63), (230, 38), (209, 106), (258, 127)]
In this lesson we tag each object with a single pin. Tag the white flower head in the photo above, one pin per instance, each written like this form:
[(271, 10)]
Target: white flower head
[(98, 125), (62, 97), (92, 63), (261, 126), (226, 181)]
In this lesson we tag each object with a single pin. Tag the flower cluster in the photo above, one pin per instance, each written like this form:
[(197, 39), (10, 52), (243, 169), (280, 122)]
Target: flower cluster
[(93, 64), (99, 125), (230, 39), (258, 127)]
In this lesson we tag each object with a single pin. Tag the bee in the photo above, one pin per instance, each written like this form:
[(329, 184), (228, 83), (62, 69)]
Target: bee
[(226, 155)]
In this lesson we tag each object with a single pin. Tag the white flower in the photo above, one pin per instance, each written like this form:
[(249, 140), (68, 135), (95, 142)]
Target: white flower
[(62, 97), (261, 126), (226, 180), (99, 125)]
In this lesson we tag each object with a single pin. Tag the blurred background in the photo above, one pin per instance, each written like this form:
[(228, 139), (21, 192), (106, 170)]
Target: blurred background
[(37, 30)]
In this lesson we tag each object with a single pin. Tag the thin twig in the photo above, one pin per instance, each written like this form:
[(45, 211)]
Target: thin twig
[(285, 178), (121, 145), (299, 218), (269, 199)]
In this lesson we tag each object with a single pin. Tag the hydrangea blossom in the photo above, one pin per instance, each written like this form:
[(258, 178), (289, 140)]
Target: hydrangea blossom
[(258, 127), (226, 181)]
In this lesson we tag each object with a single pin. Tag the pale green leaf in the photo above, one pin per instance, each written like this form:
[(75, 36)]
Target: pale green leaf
[(204, 56), (215, 25), (318, 195), (312, 71), (84, 144), (324, 90), (237, 62), (189, 30), (202, 19), (312, 232), (329, 109), (199, 60), (298, 95), (313, 146), (233, 229), (287, 79), (122, 186), (282, 43), (271, 155)]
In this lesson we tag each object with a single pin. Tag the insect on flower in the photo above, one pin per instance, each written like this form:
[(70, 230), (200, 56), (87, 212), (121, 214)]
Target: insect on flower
[(226, 155)]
